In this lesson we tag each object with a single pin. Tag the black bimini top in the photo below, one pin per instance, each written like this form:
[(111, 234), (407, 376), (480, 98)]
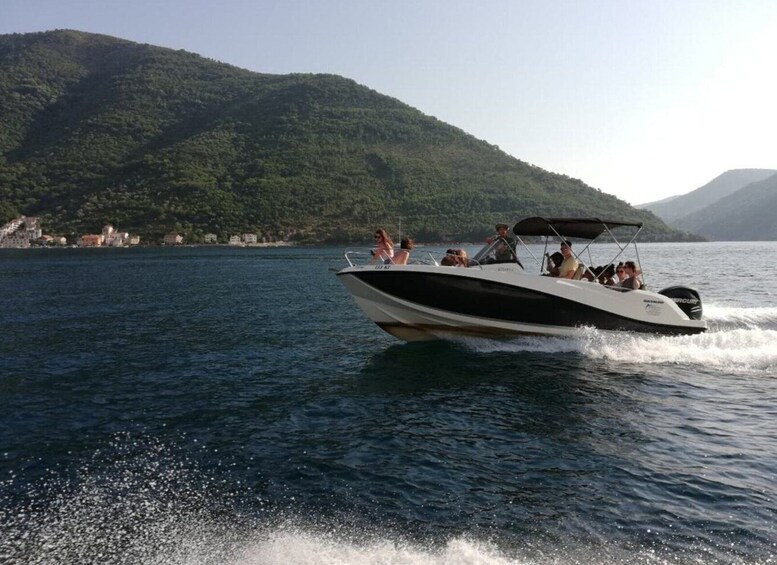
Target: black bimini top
[(584, 228)]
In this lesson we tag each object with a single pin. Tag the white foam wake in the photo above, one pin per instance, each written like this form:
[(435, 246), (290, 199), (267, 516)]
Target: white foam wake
[(298, 547), (141, 502), (730, 316), (733, 350), (290, 547)]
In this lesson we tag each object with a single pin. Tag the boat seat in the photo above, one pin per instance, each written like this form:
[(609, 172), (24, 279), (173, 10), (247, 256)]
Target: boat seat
[(579, 273)]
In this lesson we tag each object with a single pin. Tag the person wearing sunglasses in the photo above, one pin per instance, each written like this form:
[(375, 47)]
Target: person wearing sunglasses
[(384, 247), (630, 273), (620, 273)]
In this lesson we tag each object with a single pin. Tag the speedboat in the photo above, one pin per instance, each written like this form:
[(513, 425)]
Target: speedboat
[(494, 296)]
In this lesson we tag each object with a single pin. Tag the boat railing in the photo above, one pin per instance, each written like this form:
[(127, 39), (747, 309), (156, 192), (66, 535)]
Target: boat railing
[(349, 254), (353, 256)]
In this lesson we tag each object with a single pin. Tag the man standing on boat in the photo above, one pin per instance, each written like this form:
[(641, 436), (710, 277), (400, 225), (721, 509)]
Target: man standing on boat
[(505, 252)]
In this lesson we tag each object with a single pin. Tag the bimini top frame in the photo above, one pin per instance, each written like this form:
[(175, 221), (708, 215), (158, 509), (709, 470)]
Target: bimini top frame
[(580, 228)]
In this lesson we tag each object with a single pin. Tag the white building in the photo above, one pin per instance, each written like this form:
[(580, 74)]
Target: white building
[(211, 238), (249, 238), (13, 234), (117, 239), (17, 239), (173, 239), (11, 227), (235, 240)]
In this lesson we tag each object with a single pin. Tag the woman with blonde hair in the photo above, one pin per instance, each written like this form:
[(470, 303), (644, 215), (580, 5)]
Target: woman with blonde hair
[(384, 247)]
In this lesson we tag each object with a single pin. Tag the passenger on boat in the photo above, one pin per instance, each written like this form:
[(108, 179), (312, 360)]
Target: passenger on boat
[(455, 258), (632, 280), (591, 274), (605, 277), (620, 273), (505, 251), (384, 247), (570, 264), (450, 259), (553, 262), (401, 256)]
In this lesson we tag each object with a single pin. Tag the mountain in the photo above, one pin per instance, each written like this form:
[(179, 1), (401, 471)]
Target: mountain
[(676, 207), (746, 215), (96, 130), (657, 202)]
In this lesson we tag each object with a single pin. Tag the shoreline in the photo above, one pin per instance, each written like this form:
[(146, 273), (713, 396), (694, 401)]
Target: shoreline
[(158, 246)]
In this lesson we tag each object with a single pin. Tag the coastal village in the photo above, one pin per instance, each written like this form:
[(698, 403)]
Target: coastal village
[(25, 231)]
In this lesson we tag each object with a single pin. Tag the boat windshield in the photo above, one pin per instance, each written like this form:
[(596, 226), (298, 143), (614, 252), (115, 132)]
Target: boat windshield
[(501, 250)]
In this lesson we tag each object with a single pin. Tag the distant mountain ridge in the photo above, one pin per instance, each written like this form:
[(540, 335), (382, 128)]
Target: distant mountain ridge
[(675, 207), (96, 130), (664, 201), (749, 214)]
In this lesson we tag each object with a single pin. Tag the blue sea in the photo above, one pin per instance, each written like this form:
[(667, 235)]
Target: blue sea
[(222, 405)]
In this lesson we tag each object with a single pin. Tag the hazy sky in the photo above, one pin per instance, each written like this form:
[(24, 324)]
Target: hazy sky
[(639, 98)]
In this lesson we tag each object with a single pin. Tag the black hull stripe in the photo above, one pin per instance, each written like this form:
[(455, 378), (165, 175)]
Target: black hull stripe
[(503, 302), (470, 331)]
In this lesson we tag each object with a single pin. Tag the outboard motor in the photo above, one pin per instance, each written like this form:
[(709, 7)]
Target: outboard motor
[(686, 298)]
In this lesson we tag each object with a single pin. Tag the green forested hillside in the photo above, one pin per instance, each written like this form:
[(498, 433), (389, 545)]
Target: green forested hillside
[(95, 129)]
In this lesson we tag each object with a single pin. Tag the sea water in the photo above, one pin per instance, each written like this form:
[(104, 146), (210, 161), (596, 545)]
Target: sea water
[(220, 405)]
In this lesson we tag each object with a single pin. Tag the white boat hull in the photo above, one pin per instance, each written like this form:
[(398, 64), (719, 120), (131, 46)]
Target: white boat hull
[(422, 302)]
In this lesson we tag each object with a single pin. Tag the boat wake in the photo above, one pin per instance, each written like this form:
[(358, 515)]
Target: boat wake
[(138, 500), (739, 340), (298, 546), (727, 317)]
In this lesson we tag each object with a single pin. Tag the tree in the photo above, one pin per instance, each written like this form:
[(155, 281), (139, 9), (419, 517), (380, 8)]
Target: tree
[(7, 212)]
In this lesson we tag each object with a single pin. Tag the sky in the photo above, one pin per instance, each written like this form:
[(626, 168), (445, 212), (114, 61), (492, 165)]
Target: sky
[(643, 99)]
